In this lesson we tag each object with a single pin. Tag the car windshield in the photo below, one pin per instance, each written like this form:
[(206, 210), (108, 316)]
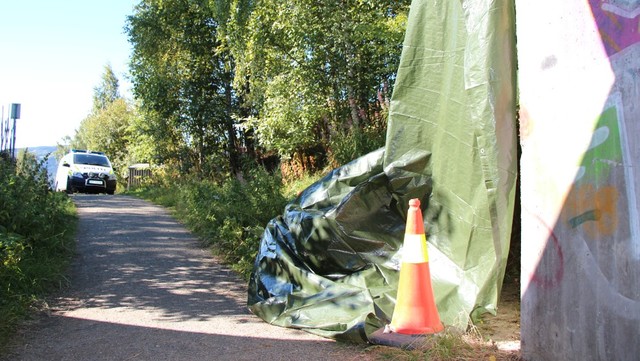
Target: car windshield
[(91, 159)]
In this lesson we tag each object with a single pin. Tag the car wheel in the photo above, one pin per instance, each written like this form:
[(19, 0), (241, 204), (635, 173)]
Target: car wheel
[(69, 188)]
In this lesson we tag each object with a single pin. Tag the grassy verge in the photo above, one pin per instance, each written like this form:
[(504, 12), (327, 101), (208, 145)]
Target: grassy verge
[(446, 346), (36, 240)]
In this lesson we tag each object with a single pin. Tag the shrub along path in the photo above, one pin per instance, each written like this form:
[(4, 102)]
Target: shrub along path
[(144, 289)]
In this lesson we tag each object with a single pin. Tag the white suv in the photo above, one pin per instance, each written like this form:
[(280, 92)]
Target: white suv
[(85, 171)]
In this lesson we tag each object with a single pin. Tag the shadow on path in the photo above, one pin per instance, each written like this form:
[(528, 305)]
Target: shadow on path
[(144, 289)]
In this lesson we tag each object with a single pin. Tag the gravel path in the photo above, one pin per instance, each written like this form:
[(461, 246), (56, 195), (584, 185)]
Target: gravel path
[(143, 289)]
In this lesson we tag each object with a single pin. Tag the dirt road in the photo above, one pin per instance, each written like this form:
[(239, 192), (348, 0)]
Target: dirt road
[(144, 289)]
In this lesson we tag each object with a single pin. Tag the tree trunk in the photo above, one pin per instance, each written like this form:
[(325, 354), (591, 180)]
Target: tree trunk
[(232, 140)]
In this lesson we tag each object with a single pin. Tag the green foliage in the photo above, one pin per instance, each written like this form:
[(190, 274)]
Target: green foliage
[(312, 69), (107, 92), (141, 146), (183, 80), (232, 216), (290, 115), (349, 145), (35, 238), (229, 216), (219, 80), (63, 147), (293, 187), (108, 128)]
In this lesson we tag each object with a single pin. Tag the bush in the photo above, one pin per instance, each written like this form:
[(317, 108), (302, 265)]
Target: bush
[(36, 240), (231, 216), (347, 146)]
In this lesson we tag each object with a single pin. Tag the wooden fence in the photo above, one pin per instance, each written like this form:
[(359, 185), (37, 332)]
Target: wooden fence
[(137, 173)]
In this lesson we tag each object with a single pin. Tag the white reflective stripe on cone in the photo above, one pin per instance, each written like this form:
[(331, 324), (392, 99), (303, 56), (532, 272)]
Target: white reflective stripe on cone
[(414, 249)]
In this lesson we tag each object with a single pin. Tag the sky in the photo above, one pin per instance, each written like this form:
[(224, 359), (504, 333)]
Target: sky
[(52, 56)]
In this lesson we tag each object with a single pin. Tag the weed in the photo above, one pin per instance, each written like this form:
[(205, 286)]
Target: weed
[(349, 145), (36, 239), (294, 187), (447, 346)]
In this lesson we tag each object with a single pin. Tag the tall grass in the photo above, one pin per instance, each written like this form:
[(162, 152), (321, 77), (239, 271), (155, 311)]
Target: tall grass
[(36, 238)]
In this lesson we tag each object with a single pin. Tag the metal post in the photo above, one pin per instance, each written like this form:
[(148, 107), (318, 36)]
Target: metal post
[(15, 114), (5, 131), (13, 141), (2, 131)]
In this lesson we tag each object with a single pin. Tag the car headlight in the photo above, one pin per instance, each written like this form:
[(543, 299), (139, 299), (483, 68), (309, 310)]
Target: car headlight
[(76, 174)]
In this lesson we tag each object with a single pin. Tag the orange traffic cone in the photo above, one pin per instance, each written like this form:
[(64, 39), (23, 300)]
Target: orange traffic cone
[(415, 311)]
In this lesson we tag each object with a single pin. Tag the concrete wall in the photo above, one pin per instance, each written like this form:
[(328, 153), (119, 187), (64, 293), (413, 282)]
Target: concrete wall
[(579, 80)]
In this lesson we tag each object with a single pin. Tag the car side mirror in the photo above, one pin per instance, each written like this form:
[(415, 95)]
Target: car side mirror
[(65, 164)]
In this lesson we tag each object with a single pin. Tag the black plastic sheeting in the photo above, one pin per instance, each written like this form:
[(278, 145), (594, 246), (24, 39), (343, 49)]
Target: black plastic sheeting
[(328, 264)]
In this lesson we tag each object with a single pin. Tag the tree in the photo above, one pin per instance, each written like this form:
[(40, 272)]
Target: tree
[(315, 70), (107, 127), (107, 92), (108, 131), (183, 80), (299, 76)]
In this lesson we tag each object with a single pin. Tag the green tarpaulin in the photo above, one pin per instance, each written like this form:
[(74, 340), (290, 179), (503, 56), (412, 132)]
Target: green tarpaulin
[(330, 263)]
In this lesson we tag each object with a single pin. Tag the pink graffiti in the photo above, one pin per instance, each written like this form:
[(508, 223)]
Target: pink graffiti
[(554, 279), (617, 24)]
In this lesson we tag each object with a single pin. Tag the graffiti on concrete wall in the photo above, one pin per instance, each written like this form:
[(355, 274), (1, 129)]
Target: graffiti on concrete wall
[(602, 208), (618, 22), (550, 271), (592, 207), (605, 177), (595, 210), (581, 231), (594, 202), (602, 205)]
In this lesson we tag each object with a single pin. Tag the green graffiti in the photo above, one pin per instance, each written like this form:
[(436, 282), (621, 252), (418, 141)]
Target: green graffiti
[(592, 215), (605, 150)]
